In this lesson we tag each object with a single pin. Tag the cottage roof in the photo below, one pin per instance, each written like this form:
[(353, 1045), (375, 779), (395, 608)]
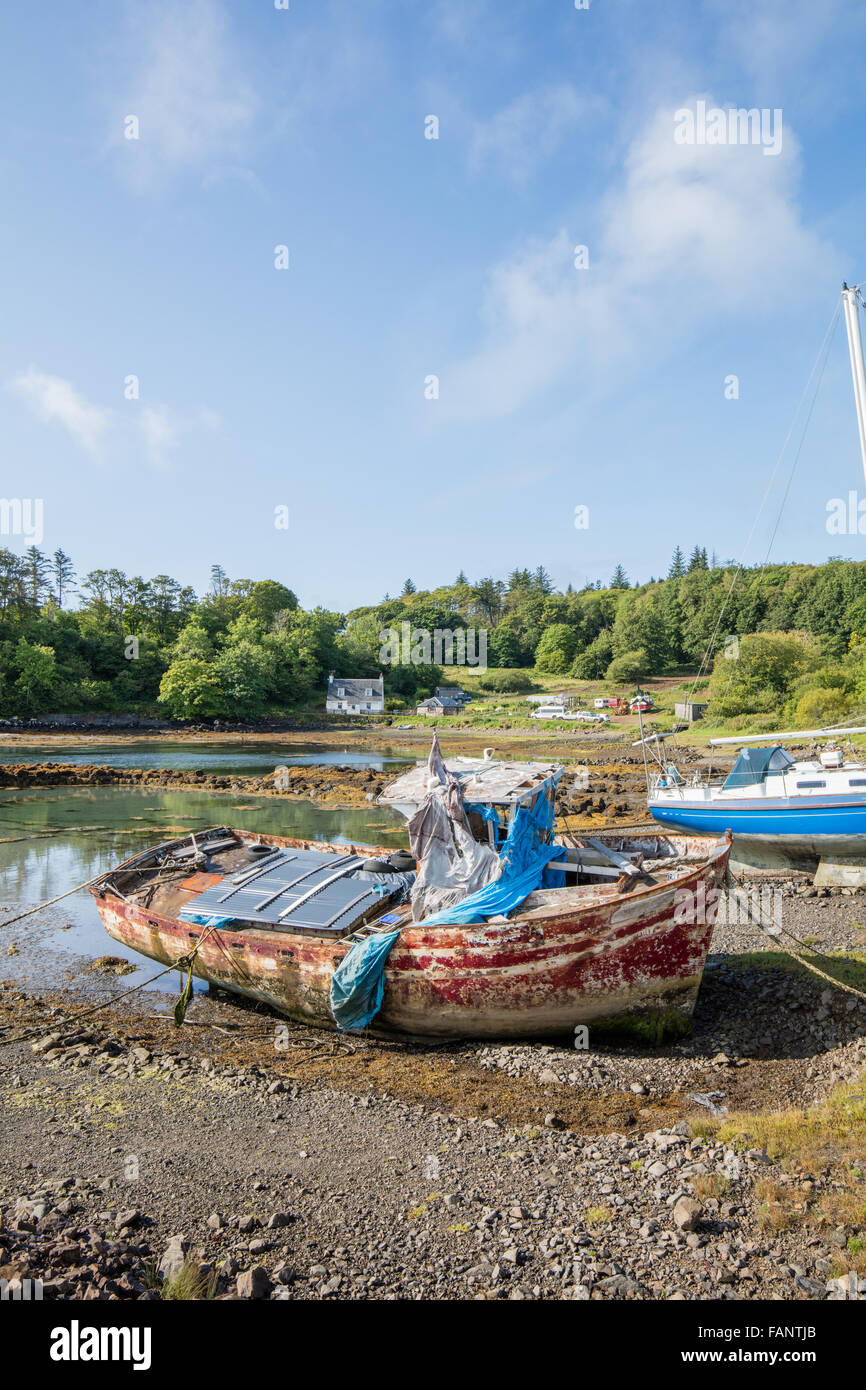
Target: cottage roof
[(443, 701), (355, 688)]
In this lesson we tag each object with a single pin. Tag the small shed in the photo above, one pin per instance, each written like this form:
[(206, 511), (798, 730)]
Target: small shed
[(451, 692), (439, 705), (690, 710)]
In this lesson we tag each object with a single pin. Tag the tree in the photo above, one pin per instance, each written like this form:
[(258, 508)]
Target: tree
[(266, 599), (593, 661), (698, 560), (639, 626), (63, 574), (629, 668), (219, 581), (460, 580), (678, 565), (36, 667), (555, 651), (190, 690), (620, 579), (194, 642), (821, 707), (503, 646), (753, 675), (407, 589), (488, 598), (35, 569), (541, 581), (245, 677)]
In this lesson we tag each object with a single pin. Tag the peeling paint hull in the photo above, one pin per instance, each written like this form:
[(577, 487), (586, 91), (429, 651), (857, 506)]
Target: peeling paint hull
[(599, 954)]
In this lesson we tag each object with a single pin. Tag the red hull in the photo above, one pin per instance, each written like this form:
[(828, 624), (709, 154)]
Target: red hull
[(599, 954)]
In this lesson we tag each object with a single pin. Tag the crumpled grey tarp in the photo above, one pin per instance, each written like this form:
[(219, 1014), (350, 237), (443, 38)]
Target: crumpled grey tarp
[(452, 863)]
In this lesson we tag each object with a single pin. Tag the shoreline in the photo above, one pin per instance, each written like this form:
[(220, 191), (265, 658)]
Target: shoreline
[(616, 793), (503, 1171)]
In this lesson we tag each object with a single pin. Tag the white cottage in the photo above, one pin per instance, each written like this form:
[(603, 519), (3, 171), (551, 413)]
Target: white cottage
[(351, 695)]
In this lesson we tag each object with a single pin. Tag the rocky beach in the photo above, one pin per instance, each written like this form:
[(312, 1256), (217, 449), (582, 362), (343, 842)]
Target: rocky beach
[(243, 1157)]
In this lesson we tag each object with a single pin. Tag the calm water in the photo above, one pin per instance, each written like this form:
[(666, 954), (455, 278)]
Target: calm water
[(218, 758), (54, 838)]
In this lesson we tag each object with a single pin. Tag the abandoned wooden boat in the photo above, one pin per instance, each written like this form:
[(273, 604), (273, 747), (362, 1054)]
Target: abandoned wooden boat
[(273, 918)]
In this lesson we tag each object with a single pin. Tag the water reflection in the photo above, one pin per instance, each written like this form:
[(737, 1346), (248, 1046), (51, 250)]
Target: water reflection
[(218, 758), (54, 838)]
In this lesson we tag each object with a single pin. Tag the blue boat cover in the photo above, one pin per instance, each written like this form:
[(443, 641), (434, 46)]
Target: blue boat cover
[(525, 856), (358, 982), (753, 764)]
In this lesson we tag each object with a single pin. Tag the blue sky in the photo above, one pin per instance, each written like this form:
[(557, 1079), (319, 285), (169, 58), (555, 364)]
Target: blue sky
[(412, 257)]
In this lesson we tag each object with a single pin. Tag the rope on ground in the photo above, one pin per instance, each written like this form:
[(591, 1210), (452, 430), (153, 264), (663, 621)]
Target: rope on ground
[(787, 951), (181, 963), (51, 901)]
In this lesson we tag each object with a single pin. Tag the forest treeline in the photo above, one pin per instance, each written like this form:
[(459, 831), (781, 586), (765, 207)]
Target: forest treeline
[(245, 648)]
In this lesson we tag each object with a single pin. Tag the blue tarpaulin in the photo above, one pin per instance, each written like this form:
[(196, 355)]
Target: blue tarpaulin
[(358, 982), (203, 919), (525, 855)]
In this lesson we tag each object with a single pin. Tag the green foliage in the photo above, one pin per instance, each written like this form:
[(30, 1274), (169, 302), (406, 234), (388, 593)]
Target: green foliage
[(506, 682), (754, 674), (190, 690), (36, 669), (823, 706), (246, 649), (630, 667), (593, 661), (555, 651)]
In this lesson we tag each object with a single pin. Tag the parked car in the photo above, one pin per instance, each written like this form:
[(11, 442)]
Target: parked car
[(553, 712), (588, 716)]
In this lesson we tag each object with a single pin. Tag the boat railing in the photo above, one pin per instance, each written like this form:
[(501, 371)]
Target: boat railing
[(666, 781)]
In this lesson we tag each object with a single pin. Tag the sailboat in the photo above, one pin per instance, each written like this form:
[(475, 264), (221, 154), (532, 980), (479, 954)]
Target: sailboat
[(806, 814)]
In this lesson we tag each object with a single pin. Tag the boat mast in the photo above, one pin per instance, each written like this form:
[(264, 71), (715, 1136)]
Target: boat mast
[(850, 298)]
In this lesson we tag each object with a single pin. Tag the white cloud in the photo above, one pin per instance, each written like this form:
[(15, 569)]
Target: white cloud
[(56, 400), (461, 22), (148, 432), (689, 231), (160, 433), (193, 103), (774, 38), (162, 430), (527, 131)]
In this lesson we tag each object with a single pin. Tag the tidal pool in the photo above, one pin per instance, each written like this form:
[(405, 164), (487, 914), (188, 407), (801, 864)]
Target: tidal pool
[(54, 838), (219, 758)]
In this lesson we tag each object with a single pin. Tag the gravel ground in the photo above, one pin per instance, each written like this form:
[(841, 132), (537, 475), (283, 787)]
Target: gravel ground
[(329, 1169)]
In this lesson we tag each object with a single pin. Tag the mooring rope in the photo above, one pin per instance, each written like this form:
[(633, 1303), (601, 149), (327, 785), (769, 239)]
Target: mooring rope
[(183, 962), (51, 901), (787, 951)]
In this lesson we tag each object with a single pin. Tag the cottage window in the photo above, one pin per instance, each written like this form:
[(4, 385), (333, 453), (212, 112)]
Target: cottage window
[(341, 690)]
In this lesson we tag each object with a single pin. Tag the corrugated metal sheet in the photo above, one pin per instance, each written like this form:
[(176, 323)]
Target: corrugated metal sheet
[(293, 890)]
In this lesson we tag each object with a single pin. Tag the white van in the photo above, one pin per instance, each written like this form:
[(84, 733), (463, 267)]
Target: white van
[(552, 712)]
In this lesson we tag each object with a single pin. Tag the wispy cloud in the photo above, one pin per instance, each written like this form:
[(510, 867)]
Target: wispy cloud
[(776, 39), (183, 81), (162, 430), (56, 400), (518, 138), (689, 230), (141, 433)]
